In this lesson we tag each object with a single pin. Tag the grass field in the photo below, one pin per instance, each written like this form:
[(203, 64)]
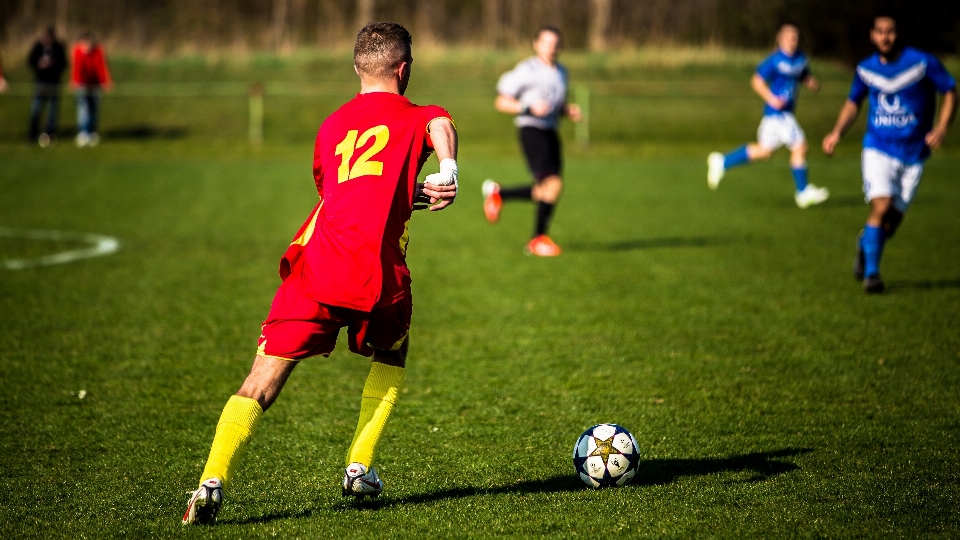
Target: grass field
[(769, 395)]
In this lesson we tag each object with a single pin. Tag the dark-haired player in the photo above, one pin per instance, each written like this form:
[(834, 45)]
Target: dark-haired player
[(901, 84), (536, 91), (776, 81), (346, 267)]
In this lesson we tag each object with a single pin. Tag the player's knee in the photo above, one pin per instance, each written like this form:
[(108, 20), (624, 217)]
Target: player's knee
[(550, 189), (890, 221), (759, 153), (266, 379), (798, 155)]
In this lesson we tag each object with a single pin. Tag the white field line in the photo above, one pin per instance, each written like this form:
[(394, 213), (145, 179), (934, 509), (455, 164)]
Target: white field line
[(99, 245)]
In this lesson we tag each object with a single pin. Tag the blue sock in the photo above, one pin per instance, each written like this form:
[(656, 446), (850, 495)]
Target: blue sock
[(800, 177), (737, 157), (872, 244)]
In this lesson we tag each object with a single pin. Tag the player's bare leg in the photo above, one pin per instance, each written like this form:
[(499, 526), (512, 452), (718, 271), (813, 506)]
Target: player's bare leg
[(717, 163), (266, 380), (548, 190), (380, 394), (757, 152), (237, 423)]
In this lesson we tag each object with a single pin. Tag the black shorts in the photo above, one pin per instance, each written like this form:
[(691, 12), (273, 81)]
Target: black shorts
[(542, 148)]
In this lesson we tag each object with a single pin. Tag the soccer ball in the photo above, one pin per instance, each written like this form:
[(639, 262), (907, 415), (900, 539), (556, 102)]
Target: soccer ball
[(606, 455)]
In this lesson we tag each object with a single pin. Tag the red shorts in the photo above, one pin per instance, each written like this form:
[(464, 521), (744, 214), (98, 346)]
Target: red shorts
[(298, 327)]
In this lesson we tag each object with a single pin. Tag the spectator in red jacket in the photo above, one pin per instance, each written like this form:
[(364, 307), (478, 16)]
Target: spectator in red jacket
[(3, 82), (89, 78)]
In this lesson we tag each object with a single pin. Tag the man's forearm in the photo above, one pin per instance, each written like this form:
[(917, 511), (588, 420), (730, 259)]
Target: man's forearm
[(848, 114), (948, 110), (760, 87), (444, 138), (508, 104)]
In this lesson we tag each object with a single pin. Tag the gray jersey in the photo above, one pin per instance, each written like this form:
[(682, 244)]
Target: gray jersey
[(533, 81)]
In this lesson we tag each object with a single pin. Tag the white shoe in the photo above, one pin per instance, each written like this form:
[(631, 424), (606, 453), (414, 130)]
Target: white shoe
[(715, 169), (204, 503), (83, 139), (811, 195), (360, 483), (489, 187)]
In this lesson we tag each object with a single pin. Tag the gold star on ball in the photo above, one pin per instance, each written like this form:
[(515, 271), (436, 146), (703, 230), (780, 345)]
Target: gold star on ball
[(604, 448)]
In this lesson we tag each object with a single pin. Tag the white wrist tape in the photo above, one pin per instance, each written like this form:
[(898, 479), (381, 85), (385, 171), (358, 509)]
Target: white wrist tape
[(447, 174)]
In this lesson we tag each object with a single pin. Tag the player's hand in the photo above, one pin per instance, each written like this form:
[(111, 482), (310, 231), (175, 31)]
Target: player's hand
[(429, 194), (777, 102), (935, 138), (3, 84), (573, 112), (812, 83), (540, 108), (830, 142)]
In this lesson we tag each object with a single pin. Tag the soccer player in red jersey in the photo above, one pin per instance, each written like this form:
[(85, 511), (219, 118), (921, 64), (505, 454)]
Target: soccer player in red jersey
[(346, 266)]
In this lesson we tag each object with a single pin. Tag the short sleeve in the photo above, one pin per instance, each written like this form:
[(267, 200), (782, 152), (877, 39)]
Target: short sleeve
[(431, 113), (858, 90), (767, 69), (938, 74), (511, 83)]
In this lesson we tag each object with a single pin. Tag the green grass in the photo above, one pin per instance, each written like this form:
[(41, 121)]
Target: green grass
[(769, 395)]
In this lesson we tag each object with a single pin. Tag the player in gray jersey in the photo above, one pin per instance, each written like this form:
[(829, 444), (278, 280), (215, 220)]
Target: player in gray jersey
[(536, 92)]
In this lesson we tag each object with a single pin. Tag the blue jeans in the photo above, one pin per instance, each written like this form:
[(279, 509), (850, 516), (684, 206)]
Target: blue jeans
[(44, 94), (88, 107)]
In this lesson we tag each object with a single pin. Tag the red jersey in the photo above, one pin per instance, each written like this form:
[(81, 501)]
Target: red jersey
[(90, 67), (351, 251)]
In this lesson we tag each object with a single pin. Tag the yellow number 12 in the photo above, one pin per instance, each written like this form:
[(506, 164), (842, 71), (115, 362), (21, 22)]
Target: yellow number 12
[(363, 166)]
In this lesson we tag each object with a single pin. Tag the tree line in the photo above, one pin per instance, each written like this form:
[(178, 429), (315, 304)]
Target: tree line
[(833, 28)]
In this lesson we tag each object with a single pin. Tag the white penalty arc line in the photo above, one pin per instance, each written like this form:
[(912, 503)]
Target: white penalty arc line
[(100, 245)]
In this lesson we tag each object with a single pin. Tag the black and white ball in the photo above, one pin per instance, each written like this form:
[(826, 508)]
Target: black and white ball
[(606, 455)]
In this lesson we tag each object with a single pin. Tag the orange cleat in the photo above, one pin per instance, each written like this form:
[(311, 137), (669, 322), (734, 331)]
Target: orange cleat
[(542, 246), (492, 203)]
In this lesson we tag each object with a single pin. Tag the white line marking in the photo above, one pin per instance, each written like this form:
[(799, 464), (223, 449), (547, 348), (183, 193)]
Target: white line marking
[(99, 245)]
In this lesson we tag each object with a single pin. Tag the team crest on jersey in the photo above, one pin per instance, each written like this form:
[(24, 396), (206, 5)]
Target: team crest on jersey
[(891, 112)]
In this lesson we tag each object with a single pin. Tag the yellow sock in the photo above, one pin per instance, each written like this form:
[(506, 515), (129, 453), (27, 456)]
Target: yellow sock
[(379, 395), (237, 422)]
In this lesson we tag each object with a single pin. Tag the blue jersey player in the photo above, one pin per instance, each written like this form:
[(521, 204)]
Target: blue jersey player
[(776, 81), (900, 85)]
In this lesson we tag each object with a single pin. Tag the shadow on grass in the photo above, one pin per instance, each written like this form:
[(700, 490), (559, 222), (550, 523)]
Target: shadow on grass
[(137, 132), (144, 132), (649, 243), (650, 472), (845, 201), (924, 284)]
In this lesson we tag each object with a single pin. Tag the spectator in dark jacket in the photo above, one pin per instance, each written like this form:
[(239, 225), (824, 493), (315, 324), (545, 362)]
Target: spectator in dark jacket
[(48, 60)]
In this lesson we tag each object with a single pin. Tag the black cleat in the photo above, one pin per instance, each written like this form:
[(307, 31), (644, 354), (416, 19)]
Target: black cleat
[(873, 285)]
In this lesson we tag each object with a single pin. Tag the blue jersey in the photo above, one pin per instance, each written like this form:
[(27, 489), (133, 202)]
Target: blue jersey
[(782, 73), (902, 100)]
